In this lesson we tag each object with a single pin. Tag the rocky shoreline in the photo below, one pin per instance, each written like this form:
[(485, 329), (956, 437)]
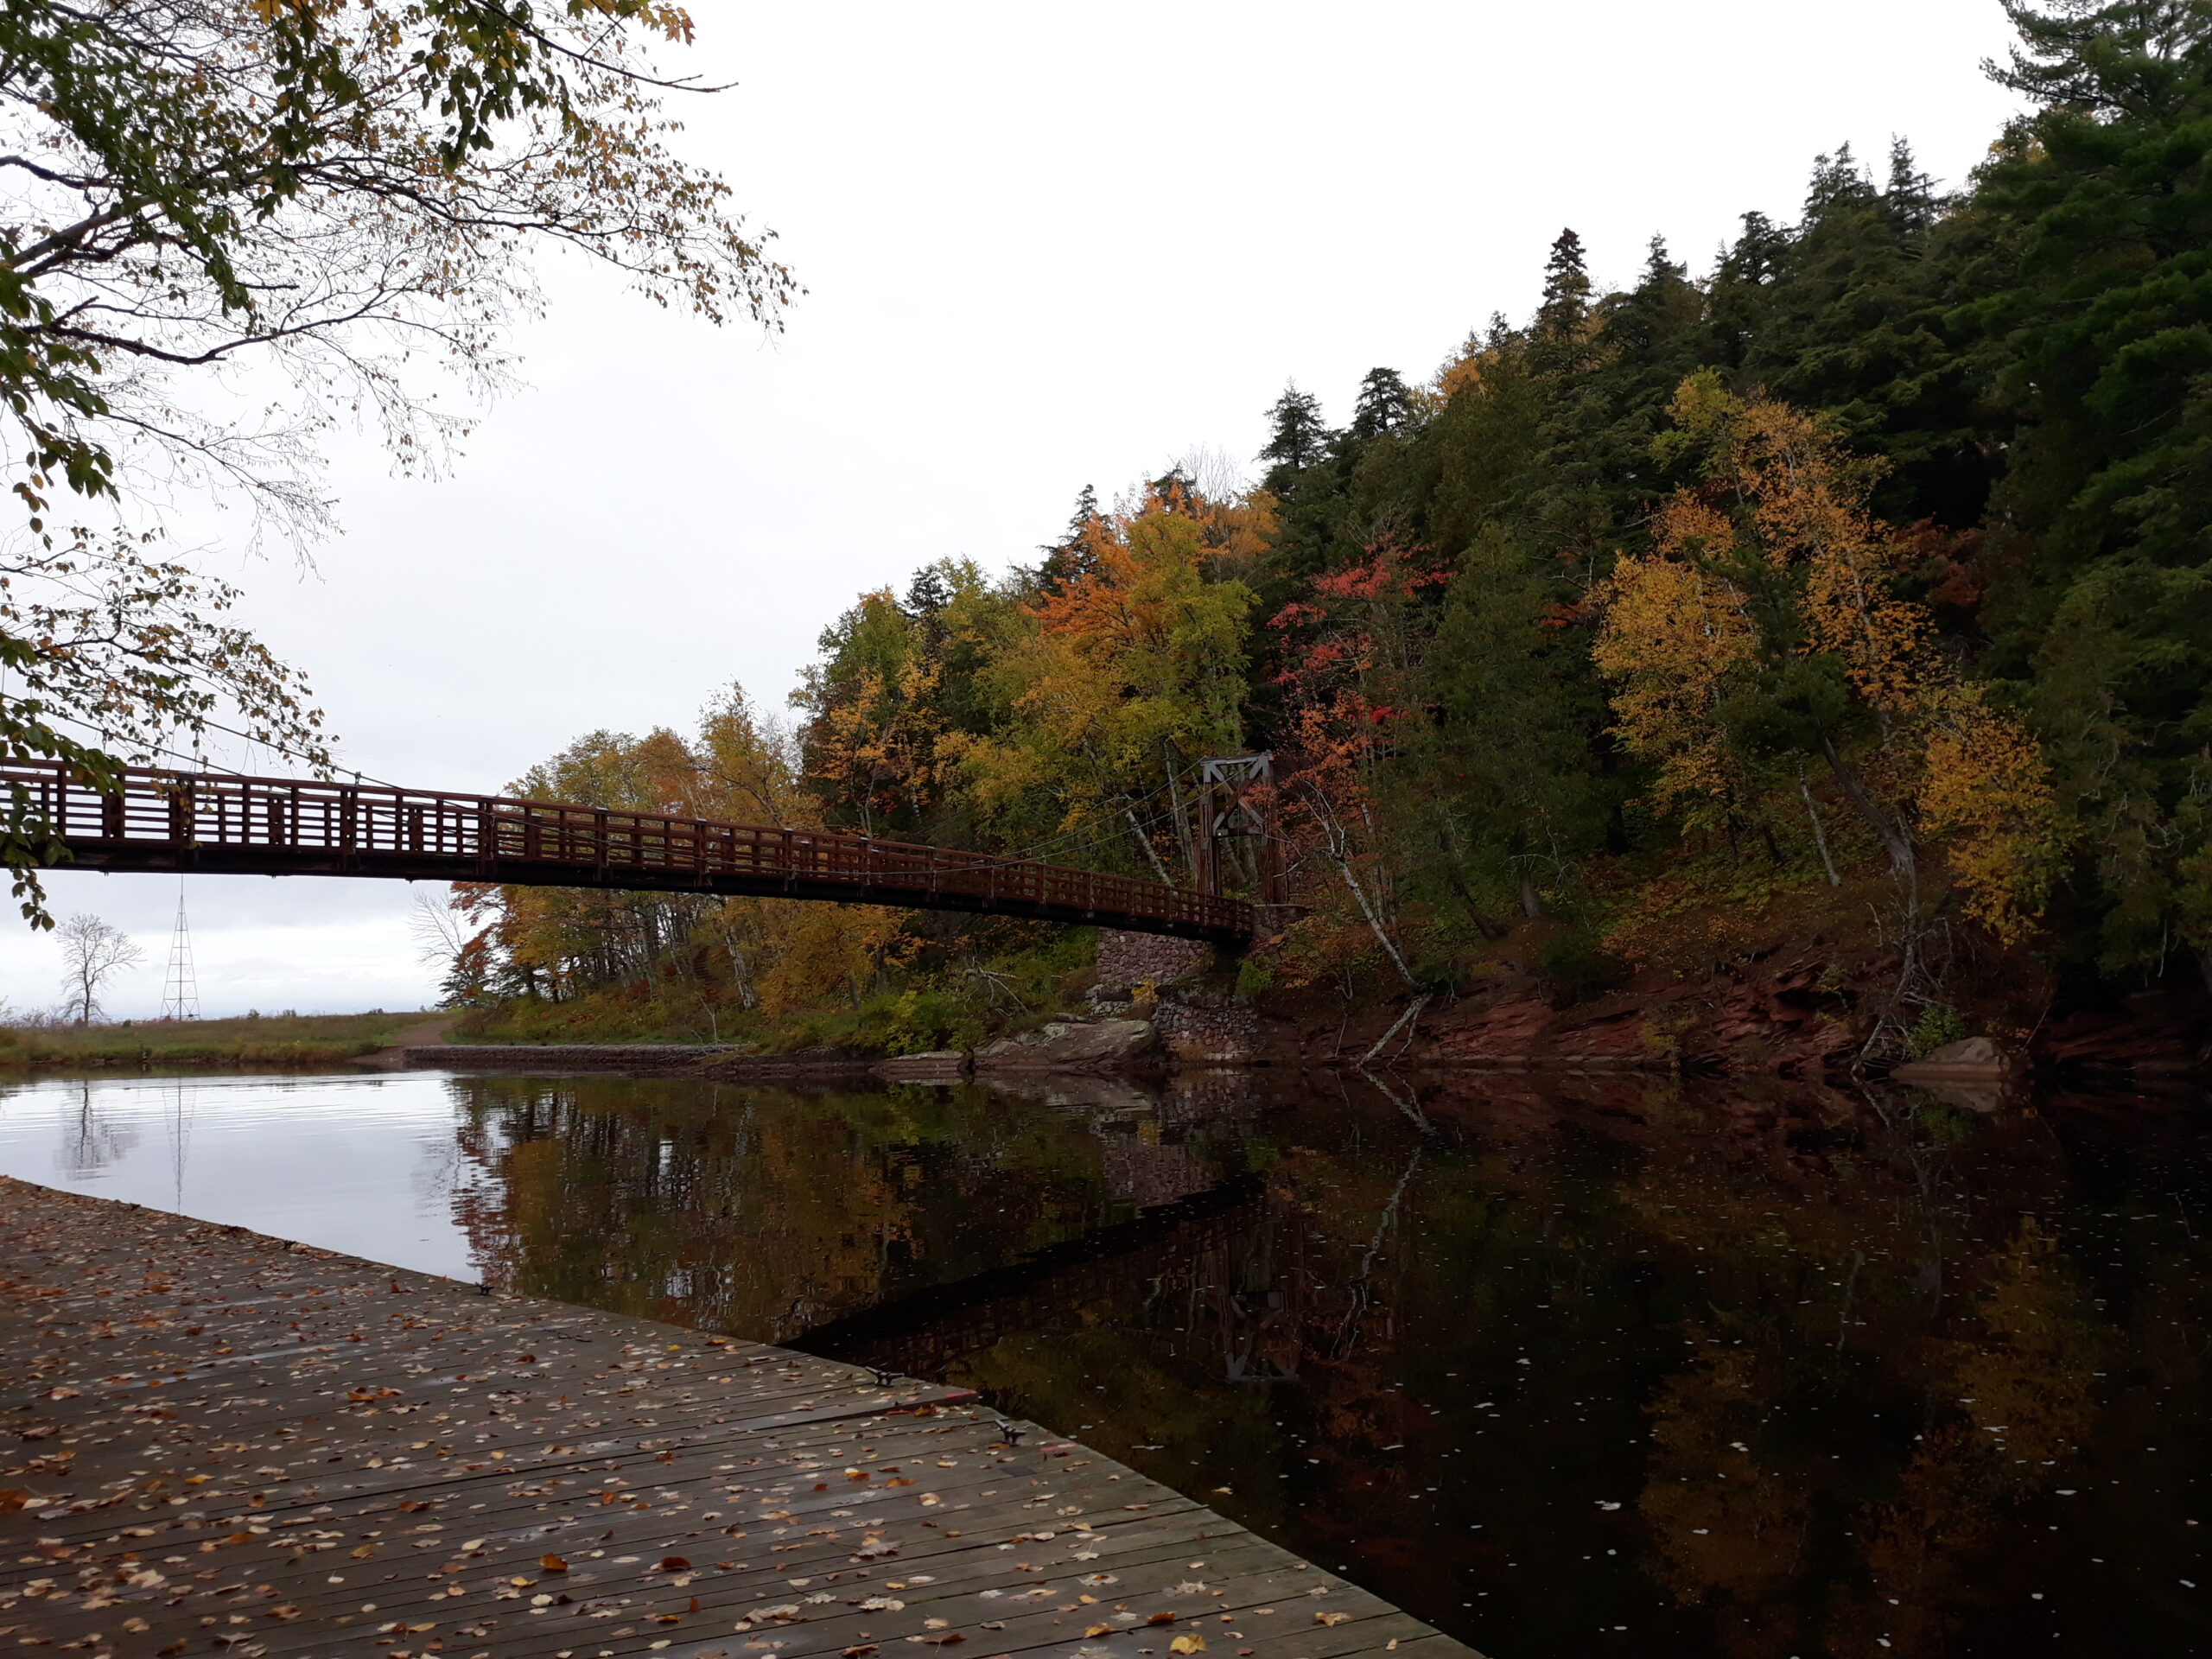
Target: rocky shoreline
[(1161, 1005)]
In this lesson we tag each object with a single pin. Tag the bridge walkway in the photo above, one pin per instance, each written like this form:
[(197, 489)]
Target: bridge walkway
[(165, 821)]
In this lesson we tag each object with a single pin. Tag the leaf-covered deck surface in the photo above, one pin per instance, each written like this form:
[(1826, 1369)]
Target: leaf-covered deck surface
[(217, 1442)]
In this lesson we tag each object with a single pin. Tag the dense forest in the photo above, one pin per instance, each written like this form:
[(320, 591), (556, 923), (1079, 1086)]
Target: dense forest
[(1860, 584)]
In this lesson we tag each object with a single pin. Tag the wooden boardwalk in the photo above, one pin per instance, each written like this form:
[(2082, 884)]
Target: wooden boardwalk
[(211, 1441)]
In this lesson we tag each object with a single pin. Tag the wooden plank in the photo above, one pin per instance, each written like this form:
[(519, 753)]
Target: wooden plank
[(218, 1443)]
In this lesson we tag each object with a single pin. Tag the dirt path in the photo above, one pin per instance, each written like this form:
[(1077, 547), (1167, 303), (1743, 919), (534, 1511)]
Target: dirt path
[(393, 1057)]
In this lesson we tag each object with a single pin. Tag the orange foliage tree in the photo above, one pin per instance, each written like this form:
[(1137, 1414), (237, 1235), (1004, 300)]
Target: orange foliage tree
[(1766, 627)]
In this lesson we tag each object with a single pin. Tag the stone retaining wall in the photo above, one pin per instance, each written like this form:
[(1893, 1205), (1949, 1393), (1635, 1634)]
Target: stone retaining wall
[(1219, 1030), (1127, 960)]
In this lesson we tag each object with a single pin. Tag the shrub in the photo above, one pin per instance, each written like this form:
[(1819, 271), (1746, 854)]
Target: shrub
[(1576, 964), (1938, 1024)]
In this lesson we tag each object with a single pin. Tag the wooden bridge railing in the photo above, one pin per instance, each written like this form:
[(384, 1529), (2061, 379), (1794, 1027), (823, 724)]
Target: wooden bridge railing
[(281, 826)]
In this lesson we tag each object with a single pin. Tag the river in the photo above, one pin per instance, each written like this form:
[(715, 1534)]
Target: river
[(1584, 1366)]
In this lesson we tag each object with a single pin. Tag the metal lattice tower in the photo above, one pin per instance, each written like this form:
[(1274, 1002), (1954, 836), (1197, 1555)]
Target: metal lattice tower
[(181, 991)]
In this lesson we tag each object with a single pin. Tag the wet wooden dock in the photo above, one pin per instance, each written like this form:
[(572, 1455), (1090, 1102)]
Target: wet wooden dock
[(211, 1441)]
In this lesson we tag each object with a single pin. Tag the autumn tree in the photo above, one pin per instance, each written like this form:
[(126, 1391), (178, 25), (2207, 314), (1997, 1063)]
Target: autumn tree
[(1107, 687), (1353, 653), (1766, 629), (324, 197), (897, 684), (703, 954)]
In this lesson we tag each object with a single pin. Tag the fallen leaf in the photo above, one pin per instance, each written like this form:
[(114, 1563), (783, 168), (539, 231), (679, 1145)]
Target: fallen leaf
[(1187, 1644), (552, 1563), (1333, 1618), (673, 1564), (860, 1652), (1098, 1629), (1162, 1618)]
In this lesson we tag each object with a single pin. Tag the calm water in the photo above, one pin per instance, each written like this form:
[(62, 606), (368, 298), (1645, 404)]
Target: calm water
[(1607, 1368)]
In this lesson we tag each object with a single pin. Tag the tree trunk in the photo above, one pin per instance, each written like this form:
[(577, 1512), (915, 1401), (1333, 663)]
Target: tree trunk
[(1894, 836), (740, 974), (1466, 895), (1186, 833), (1145, 842), (1820, 833), (1375, 922)]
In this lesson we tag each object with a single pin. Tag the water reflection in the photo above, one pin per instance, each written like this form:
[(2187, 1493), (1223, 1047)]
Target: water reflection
[(1742, 1372), (1594, 1364), (90, 1140)]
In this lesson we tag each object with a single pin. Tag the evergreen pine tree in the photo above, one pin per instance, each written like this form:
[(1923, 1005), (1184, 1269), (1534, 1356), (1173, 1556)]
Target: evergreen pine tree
[(1070, 557), (1851, 314), (1385, 405), (2101, 198), (1298, 438), (1560, 336)]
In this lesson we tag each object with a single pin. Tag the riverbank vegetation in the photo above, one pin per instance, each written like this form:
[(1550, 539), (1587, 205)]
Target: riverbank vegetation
[(1676, 616), (278, 1042)]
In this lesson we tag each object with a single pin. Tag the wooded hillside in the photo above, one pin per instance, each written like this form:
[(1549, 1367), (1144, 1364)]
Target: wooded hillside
[(1866, 576)]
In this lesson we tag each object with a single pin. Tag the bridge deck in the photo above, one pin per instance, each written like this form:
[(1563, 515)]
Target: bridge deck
[(221, 1443), (288, 826)]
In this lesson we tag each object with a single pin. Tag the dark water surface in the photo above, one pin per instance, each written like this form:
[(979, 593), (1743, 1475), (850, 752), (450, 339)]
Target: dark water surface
[(1587, 1367)]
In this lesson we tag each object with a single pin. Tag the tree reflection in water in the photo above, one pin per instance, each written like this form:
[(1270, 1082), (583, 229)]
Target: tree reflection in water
[(91, 1139), (1689, 1369)]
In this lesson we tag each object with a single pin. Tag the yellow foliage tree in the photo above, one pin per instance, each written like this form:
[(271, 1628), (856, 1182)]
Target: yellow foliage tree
[(1766, 624), (778, 955), (1137, 660)]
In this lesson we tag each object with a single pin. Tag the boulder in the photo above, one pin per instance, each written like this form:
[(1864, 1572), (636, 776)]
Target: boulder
[(940, 1066), (1090, 1046), (1970, 1057)]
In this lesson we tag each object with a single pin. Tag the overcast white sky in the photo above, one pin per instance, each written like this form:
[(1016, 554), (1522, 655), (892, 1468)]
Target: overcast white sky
[(1044, 247)]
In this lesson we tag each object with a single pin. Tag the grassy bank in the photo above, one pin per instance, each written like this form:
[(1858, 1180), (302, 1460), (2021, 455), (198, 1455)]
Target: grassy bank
[(283, 1041)]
